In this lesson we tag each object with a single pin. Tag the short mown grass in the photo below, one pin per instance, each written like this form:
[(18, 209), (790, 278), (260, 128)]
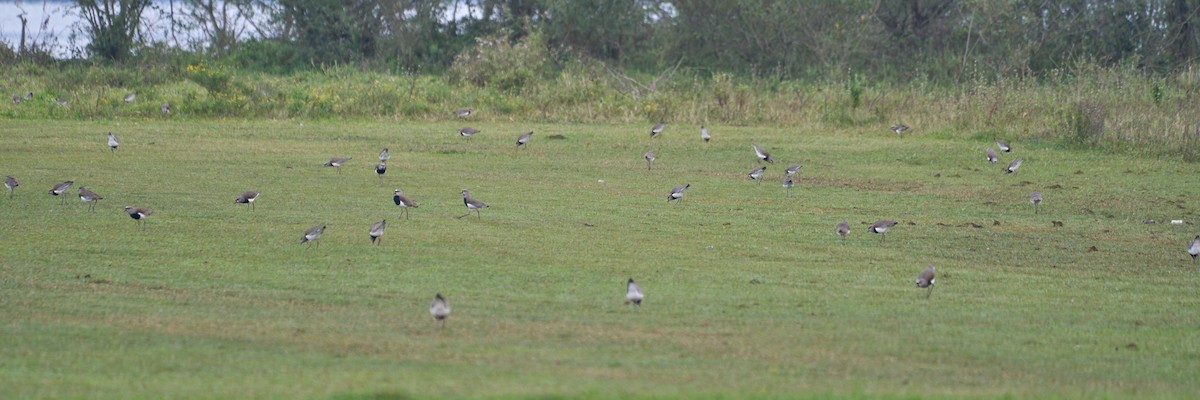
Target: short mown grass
[(749, 293)]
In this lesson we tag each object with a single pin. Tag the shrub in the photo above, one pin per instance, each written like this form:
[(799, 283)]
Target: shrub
[(497, 62)]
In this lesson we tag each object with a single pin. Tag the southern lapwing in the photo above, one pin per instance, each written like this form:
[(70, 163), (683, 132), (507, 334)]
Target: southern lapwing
[(377, 231), (11, 184), (28, 95), (467, 132), (757, 173), (131, 96), (649, 156), (925, 280), (472, 204), (16, 98), (60, 189), (792, 169), (1003, 146), (138, 214), (440, 309), (524, 139), (90, 197), (1194, 248), (1036, 200), (633, 293), (1012, 167), (704, 135), (881, 227), (403, 202), (113, 143), (381, 169), (337, 162), (165, 108), (312, 234), (63, 101), (788, 183), (762, 154), (899, 129), (384, 155), (464, 112), (657, 129), (248, 197), (677, 192), (991, 156), (843, 229)]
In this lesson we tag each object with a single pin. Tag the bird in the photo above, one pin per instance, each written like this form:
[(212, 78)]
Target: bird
[(792, 169), (248, 197), (991, 156), (757, 173), (899, 128), (881, 227), (523, 139), (113, 143), (384, 155), (788, 183), (925, 280), (131, 96), (28, 95), (16, 98), (166, 109), (312, 234), (1036, 199), (472, 204), (440, 309), (1012, 167), (649, 156), (62, 101), (337, 162), (10, 183), (843, 229), (762, 154), (657, 129), (403, 202), (377, 231), (61, 188), (138, 214), (1194, 248), (464, 112), (704, 135), (677, 192), (467, 132), (633, 293), (1003, 146), (90, 197), (381, 169)]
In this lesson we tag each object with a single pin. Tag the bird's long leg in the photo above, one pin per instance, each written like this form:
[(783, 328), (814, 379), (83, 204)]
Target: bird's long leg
[(929, 292)]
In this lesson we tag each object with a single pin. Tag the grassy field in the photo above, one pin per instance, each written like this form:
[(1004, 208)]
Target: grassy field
[(749, 293)]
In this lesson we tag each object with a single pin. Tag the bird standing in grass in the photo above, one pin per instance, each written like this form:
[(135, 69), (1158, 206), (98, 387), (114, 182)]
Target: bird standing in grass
[(843, 229), (1194, 248), (467, 132), (788, 183), (59, 189), (11, 184), (762, 154), (657, 130), (337, 162), (312, 234), (704, 135), (1036, 200), (138, 214), (524, 139), (991, 156), (633, 293), (113, 143), (165, 108), (381, 169), (62, 101), (1012, 167), (649, 156), (792, 169), (881, 227), (90, 197), (248, 197), (377, 231), (899, 129), (384, 155), (757, 173), (677, 192), (440, 309), (131, 96), (472, 204), (16, 98), (925, 280), (464, 112), (403, 202), (1003, 146)]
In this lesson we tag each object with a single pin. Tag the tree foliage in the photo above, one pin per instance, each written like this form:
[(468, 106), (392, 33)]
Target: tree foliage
[(112, 26)]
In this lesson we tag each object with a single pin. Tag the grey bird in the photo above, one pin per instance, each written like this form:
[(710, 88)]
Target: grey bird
[(403, 202), (649, 156), (762, 153), (925, 280), (28, 95), (384, 155), (113, 143), (1036, 199), (16, 98), (881, 227), (472, 204), (704, 135), (337, 162), (792, 169), (312, 235), (59, 189), (677, 192), (633, 293), (131, 96), (657, 130), (464, 112), (467, 132), (1194, 248), (138, 214), (1012, 167), (11, 184), (440, 309), (248, 197), (381, 169), (1003, 146), (165, 108), (843, 229), (788, 183), (90, 197), (991, 156), (62, 101), (899, 128), (524, 139), (757, 173), (377, 231)]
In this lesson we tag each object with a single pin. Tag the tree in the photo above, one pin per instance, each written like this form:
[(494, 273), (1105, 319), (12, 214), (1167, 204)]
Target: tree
[(112, 26)]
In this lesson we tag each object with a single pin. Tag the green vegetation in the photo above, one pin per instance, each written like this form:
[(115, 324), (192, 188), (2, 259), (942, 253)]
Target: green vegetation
[(749, 293)]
